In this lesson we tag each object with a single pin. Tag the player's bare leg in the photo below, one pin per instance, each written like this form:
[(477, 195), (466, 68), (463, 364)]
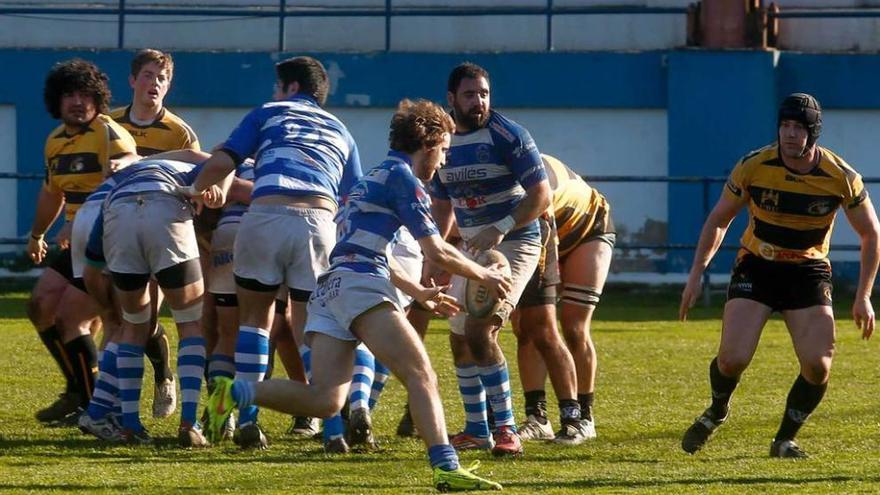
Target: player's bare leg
[(420, 319), (584, 273), (812, 332), (743, 322)]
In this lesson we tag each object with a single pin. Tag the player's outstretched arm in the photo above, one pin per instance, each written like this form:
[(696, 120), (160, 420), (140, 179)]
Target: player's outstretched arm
[(863, 219), (446, 256), (710, 240)]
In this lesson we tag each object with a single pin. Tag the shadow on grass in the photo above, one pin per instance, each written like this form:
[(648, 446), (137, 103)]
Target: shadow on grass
[(698, 481), (166, 451), (68, 487)]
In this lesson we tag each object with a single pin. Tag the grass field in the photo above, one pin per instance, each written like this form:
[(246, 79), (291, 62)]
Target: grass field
[(652, 383)]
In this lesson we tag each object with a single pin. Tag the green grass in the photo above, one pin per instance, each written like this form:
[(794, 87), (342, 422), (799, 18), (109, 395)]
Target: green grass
[(652, 383)]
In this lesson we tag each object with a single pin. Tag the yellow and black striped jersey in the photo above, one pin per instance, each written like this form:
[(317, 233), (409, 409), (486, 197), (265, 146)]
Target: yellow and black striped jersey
[(576, 205), (166, 133), (75, 163), (791, 214)]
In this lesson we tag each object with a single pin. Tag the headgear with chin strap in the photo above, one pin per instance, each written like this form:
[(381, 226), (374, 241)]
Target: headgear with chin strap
[(805, 109)]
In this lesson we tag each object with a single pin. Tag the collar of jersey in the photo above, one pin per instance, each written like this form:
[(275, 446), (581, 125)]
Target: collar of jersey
[(401, 156), (302, 96)]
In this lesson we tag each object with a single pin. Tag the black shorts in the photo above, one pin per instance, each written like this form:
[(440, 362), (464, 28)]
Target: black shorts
[(542, 287), (63, 264), (602, 230), (781, 286)]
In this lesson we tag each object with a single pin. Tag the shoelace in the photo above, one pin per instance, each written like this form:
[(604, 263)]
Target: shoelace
[(473, 467)]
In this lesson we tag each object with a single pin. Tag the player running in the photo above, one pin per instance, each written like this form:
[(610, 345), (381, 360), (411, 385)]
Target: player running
[(355, 300)]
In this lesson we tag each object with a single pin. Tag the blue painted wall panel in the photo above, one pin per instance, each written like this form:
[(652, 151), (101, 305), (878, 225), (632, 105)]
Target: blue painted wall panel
[(592, 80), (720, 104)]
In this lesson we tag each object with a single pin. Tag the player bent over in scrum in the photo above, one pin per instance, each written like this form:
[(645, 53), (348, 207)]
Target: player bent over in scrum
[(355, 299), (586, 241), (147, 225)]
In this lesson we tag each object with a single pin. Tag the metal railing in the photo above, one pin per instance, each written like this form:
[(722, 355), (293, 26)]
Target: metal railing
[(704, 181), (285, 9)]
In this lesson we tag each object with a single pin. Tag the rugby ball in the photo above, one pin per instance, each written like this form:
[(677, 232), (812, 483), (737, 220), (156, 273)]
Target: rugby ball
[(479, 302)]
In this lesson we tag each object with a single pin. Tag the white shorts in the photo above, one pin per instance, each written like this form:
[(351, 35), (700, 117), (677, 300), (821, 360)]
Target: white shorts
[(79, 235), (408, 254), (523, 256), (148, 233), (341, 296), (284, 245), (221, 279)]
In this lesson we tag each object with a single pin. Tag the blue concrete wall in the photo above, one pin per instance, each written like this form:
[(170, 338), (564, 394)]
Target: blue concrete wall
[(720, 104)]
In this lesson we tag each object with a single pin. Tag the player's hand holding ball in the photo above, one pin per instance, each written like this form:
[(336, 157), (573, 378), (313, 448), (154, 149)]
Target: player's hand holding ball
[(483, 297)]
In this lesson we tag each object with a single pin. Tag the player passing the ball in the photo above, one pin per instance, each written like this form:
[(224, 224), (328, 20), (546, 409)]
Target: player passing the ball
[(356, 301), (793, 189)]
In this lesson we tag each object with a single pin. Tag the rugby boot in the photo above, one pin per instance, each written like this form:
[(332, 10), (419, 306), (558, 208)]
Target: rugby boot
[(786, 449), (191, 437), (360, 430), (66, 404), (575, 433), (104, 428), (462, 479), (698, 434), (304, 426), (536, 428), (337, 445), (466, 441), (507, 442), (406, 427), (164, 398), (250, 437)]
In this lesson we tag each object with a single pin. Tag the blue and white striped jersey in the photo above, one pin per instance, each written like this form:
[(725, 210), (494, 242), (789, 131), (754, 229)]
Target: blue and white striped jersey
[(385, 199), (153, 176), (300, 149), (232, 212), (104, 189), (486, 174)]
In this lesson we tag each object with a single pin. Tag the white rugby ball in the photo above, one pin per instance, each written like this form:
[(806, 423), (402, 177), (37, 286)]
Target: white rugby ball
[(479, 302)]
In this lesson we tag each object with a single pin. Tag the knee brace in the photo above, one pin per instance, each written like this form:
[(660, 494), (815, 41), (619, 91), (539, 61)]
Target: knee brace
[(581, 295), (142, 316), (186, 315)]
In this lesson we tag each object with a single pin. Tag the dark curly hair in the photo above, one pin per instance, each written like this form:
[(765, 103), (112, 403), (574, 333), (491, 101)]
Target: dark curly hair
[(418, 124), (75, 75)]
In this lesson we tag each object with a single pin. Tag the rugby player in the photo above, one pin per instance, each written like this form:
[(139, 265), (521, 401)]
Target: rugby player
[(586, 236), (79, 153), (155, 129), (495, 183), (356, 301), (793, 189), (146, 230), (306, 160)]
